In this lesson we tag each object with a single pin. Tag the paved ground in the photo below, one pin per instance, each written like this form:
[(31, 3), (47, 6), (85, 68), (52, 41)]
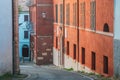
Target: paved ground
[(49, 72)]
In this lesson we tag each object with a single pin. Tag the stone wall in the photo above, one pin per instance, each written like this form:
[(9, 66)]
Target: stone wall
[(116, 38), (117, 57)]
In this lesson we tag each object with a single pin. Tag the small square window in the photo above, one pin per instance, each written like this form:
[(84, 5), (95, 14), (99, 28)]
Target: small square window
[(25, 17), (25, 34)]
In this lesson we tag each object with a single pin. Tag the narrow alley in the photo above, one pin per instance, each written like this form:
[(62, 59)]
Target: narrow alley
[(43, 39)]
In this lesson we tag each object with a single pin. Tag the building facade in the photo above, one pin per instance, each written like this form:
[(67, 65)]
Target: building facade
[(83, 35), (24, 36), (116, 38), (41, 15)]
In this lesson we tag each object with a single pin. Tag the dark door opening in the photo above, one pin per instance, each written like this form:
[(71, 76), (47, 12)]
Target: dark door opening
[(74, 49), (93, 61), (83, 55), (105, 64), (25, 51)]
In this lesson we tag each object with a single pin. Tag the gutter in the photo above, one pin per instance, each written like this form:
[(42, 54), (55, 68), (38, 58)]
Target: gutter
[(78, 30), (13, 37), (63, 33)]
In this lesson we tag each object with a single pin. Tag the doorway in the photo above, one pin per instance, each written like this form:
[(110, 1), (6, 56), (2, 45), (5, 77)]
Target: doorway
[(25, 51)]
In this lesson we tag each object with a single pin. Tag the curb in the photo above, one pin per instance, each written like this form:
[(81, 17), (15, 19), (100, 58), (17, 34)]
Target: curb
[(29, 75)]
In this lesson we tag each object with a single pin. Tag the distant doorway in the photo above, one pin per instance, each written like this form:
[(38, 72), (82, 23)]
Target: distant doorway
[(25, 51)]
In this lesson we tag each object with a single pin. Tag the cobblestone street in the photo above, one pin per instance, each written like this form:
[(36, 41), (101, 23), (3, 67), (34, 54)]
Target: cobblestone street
[(49, 72)]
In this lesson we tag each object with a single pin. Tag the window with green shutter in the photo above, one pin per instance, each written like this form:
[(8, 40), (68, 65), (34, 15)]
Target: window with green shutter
[(68, 14), (75, 14), (56, 6), (61, 13), (93, 15), (82, 14)]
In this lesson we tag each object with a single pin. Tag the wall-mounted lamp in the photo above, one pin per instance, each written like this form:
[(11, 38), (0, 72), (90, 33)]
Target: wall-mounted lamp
[(44, 14)]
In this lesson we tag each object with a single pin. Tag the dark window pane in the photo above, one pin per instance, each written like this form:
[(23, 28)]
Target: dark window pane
[(106, 28), (25, 17), (26, 34)]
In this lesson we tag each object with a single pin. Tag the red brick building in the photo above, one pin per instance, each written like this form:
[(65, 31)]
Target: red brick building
[(83, 35), (41, 13)]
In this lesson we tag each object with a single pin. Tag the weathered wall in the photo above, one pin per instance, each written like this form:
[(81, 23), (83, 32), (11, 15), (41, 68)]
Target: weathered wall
[(22, 40), (117, 57), (96, 40), (116, 38), (6, 36), (33, 35), (44, 32), (43, 27)]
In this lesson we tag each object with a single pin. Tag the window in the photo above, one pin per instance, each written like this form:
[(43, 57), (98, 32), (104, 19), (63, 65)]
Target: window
[(56, 6), (93, 61), (61, 13), (56, 42), (67, 48), (74, 51), (105, 64), (68, 14), (75, 14), (93, 15), (25, 17), (83, 55), (82, 14), (25, 34), (106, 28)]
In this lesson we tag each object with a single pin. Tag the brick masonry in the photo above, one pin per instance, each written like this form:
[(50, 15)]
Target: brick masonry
[(97, 41), (43, 28)]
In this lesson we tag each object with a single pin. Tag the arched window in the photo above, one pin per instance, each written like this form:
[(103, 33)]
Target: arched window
[(106, 28)]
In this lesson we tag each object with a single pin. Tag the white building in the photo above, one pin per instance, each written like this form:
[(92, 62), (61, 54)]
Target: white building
[(6, 48)]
